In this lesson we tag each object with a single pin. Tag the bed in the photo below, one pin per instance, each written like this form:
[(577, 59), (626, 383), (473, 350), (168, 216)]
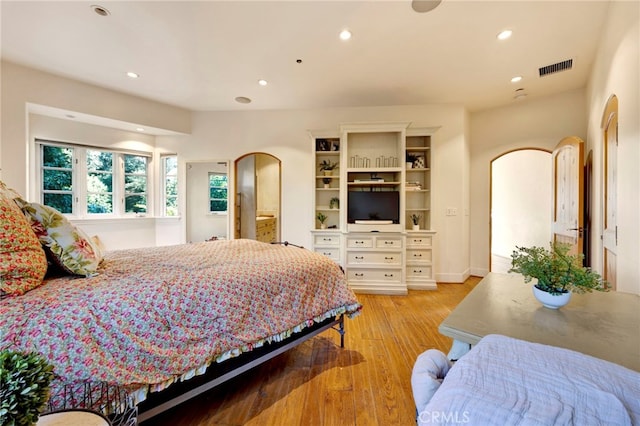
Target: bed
[(144, 319), (507, 381)]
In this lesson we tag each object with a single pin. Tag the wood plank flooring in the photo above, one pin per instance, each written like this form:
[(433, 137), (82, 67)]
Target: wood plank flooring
[(368, 382)]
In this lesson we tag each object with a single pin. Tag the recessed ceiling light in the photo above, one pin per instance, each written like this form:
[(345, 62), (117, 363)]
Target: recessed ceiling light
[(262, 82), (345, 35), (243, 100), (100, 10), (503, 35), (516, 79), (132, 74)]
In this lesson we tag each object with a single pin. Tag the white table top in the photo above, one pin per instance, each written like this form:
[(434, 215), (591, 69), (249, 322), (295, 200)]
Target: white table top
[(605, 325)]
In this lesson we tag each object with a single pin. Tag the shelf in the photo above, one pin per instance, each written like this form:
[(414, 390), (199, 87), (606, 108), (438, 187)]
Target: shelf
[(418, 170), (372, 183), (374, 169), (419, 210), (328, 176), (327, 209)]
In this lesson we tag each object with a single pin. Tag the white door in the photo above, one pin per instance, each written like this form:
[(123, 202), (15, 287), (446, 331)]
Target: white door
[(610, 192), (568, 186)]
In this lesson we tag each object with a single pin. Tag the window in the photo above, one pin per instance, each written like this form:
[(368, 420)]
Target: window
[(87, 181), (218, 188), (170, 182), (57, 177), (99, 181), (135, 184)]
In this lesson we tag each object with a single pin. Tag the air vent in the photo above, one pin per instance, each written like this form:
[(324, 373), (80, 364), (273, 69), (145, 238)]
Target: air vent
[(552, 69)]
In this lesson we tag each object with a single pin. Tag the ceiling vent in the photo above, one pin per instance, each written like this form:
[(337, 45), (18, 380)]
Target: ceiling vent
[(554, 68)]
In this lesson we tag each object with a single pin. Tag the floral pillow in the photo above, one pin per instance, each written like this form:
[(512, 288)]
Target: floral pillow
[(67, 245), (22, 261)]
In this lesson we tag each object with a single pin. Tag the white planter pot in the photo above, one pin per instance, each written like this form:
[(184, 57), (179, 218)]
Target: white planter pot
[(323, 226), (549, 300), (415, 227)]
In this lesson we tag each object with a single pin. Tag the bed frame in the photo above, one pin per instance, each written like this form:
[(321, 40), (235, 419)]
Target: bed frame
[(158, 402)]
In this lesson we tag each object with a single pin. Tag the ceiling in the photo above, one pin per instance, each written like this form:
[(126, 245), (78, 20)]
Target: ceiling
[(201, 55)]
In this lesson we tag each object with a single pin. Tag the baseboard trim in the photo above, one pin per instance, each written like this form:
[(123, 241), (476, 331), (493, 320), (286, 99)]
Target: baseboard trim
[(453, 278)]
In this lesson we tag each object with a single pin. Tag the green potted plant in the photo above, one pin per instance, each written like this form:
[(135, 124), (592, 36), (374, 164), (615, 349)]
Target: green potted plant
[(558, 273), (322, 218), (334, 203), (327, 167), (24, 387), (326, 181), (415, 220)]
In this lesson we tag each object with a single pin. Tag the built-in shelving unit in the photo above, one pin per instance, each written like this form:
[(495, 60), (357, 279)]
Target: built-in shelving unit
[(380, 249)]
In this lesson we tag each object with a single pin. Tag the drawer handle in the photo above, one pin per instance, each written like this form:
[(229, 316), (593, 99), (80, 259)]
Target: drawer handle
[(359, 242), (417, 240), (359, 274), (388, 275), (417, 254), (359, 257), (417, 271), (326, 239), (326, 254), (389, 242), (388, 258)]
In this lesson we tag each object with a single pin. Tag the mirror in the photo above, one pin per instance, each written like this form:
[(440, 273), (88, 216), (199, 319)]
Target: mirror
[(207, 200), (257, 197)]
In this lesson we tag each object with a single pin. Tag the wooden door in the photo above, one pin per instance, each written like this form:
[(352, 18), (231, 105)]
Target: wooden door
[(568, 183), (610, 193)]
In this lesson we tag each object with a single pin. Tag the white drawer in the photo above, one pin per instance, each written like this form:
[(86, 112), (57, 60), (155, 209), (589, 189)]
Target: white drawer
[(363, 274), (419, 272), (331, 253), (360, 242), (327, 240), (420, 241), (414, 255), (389, 242), (374, 258)]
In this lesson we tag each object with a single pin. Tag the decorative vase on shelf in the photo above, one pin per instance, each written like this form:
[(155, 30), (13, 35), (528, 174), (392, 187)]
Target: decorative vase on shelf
[(415, 227), (326, 186), (409, 165), (323, 226), (549, 300)]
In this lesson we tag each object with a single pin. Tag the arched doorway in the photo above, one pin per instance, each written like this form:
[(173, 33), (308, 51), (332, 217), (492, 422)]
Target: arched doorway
[(257, 197), (520, 203)]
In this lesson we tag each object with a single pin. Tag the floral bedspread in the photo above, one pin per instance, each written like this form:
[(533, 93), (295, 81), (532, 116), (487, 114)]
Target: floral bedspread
[(152, 316)]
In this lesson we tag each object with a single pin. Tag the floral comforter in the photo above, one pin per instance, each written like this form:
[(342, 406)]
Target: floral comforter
[(152, 316)]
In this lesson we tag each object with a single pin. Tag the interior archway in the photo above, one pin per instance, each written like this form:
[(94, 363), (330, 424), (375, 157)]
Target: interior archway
[(257, 197), (520, 203)]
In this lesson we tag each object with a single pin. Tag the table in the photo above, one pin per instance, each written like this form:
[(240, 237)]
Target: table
[(605, 325)]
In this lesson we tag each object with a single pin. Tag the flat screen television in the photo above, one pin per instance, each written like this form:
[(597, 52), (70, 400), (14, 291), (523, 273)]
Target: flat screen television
[(373, 205)]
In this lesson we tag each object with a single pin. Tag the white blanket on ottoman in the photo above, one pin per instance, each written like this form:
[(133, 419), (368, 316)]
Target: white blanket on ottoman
[(505, 381)]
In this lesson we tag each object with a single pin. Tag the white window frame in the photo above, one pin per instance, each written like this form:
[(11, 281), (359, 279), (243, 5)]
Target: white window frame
[(217, 212), (78, 181), (163, 184)]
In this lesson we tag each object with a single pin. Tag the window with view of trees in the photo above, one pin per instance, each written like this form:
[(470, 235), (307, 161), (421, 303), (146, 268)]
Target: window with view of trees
[(218, 188), (135, 183), (114, 182), (170, 173), (57, 177)]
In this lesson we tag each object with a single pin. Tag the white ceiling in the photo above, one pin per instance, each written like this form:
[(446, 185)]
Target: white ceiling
[(201, 55)]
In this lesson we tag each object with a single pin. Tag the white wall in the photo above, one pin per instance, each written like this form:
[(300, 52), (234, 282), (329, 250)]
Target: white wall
[(535, 123), (284, 134), (520, 217), (616, 70)]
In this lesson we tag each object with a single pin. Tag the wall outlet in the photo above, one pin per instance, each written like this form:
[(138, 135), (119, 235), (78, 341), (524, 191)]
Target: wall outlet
[(452, 211)]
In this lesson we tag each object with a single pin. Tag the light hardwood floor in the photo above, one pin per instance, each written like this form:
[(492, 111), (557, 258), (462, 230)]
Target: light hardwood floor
[(368, 382)]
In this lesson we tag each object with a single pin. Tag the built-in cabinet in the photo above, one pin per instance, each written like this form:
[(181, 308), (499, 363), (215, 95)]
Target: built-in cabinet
[(381, 180)]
